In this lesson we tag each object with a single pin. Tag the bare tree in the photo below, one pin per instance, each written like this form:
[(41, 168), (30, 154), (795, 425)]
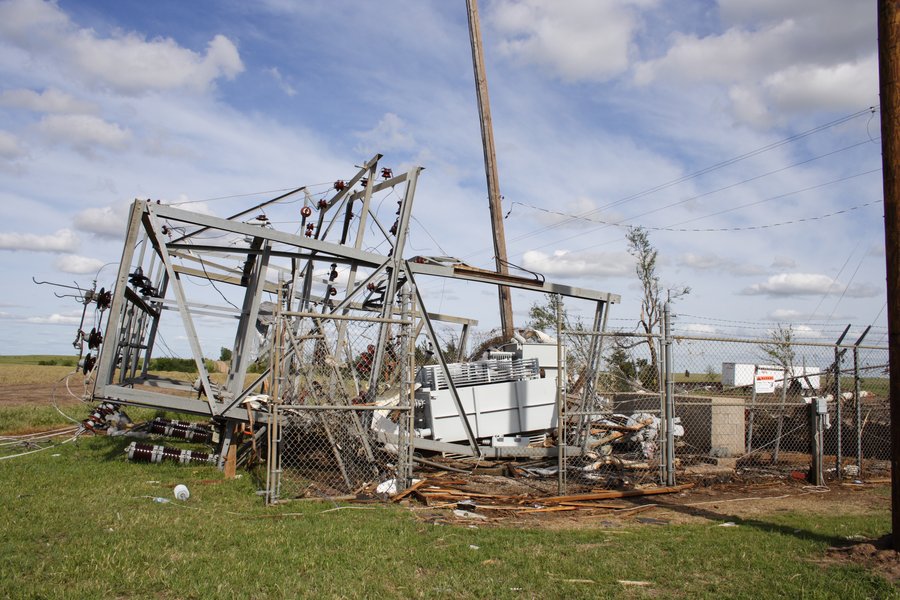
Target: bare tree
[(645, 255), (780, 349)]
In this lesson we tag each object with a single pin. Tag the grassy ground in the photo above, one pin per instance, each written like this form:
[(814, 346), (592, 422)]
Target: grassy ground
[(79, 521)]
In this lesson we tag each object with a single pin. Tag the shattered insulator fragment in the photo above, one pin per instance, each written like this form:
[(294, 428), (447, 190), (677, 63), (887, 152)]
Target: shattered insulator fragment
[(104, 299), (386, 173), (340, 185), (94, 339), (306, 211)]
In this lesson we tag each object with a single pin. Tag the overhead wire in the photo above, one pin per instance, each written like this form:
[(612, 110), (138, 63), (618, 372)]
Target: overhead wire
[(717, 229), (709, 169)]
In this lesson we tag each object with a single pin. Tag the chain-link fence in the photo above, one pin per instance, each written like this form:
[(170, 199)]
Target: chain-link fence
[(752, 406), (358, 399), (342, 416)]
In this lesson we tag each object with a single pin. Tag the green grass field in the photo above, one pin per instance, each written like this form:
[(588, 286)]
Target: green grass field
[(79, 521)]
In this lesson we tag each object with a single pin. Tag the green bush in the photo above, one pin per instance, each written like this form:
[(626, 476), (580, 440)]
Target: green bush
[(181, 365)]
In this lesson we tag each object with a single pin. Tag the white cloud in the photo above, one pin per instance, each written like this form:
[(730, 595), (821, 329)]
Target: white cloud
[(55, 319), (79, 265), (84, 132), (772, 58), (125, 62), (697, 328), (701, 261), (391, 133), (571, 264), (575, 40), (63, 240), (807, 284), (105, 222), (783, 262), (10, 148), (787, 314), (713, 262), (50, 100), (282, 81), (806, 332)]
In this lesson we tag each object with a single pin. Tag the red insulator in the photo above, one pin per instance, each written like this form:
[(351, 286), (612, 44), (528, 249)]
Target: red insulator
[(332, 291), (386, 173), (340, 184), (323, 204), (364, 181)]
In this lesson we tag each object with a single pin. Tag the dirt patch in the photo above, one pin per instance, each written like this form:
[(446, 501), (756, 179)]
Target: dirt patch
[(38, 394), (501, 501), (876, 555)]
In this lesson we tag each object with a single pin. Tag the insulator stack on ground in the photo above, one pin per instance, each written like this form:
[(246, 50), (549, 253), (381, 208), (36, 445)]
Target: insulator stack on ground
[(183, 430), (156, 454), (104, 415)]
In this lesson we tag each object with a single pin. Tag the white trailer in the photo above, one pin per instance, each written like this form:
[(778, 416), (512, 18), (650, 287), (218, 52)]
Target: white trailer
[(768, 378)]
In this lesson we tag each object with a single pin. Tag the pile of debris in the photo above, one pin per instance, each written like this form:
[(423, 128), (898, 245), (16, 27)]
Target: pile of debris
[(470, 498)]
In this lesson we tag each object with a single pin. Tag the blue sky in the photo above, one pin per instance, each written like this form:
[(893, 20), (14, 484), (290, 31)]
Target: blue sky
[(602, 110)]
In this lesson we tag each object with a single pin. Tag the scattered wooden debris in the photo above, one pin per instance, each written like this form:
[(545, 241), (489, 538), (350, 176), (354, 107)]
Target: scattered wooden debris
[(440, 491)]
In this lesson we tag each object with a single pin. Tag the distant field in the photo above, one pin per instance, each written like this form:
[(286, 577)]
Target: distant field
[(32, 374), (39, 359)]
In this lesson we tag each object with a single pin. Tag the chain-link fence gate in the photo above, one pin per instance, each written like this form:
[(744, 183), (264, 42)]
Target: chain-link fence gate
[(337, 377)]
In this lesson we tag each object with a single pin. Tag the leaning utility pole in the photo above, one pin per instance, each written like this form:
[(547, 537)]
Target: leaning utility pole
[(490, 166), (889, 75)]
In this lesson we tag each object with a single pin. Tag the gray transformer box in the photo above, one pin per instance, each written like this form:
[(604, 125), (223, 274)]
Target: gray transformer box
[(499, 396)]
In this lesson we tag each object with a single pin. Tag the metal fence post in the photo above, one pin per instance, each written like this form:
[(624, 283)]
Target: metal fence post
[(839, 412), (670, 400), (560, 399), (858, 411), (780, 427), (407, 391), (752, 409)]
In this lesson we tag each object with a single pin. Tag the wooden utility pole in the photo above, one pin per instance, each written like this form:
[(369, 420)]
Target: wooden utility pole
[(490, 166), (889, 75)]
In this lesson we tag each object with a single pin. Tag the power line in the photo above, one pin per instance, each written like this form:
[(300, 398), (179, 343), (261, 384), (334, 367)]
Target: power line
[(708, 169), (715, 229)]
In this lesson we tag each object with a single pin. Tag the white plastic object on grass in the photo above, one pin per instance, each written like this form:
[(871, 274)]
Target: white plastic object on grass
[(182, 492)]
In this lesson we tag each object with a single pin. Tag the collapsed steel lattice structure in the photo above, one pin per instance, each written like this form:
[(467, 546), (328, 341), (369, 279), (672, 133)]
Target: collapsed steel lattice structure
[(336, 307)]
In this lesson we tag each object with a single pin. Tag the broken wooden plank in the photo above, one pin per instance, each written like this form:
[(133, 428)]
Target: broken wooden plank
[(593, 505), (401, 495), (545, 509), (606, 494)]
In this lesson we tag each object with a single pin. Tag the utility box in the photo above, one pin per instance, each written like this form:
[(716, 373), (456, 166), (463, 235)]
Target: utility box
[(499, 398)]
